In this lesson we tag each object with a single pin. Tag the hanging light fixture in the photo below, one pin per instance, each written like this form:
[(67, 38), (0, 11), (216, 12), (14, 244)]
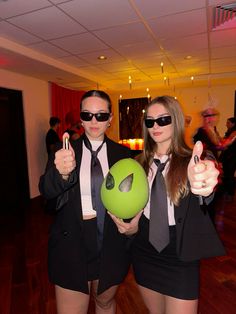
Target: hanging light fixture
[(130, 82), (192, 78), (148, 95), (162, 67)]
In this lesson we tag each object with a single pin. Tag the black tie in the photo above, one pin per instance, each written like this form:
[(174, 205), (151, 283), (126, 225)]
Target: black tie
[(96, 182), (159, 226)]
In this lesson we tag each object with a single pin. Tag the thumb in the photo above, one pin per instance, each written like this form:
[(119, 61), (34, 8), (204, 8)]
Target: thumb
[(197, 151), (66, 142)]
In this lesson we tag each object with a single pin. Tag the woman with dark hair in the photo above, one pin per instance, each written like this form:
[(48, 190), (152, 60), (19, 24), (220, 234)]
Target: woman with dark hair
[(167, 249), (86, 252)]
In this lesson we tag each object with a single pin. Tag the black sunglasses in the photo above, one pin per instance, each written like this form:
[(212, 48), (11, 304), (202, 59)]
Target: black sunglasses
[(162, 121), (100, 116)]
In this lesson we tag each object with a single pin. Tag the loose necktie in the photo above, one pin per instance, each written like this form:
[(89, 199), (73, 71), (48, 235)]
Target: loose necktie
[(96, 182), (159, 225)]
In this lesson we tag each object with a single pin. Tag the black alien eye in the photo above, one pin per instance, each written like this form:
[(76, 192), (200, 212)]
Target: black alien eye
[(110, 182), (126, 184)]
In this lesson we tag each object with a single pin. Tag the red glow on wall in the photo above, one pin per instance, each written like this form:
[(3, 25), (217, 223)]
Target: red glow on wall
[(3, 61)]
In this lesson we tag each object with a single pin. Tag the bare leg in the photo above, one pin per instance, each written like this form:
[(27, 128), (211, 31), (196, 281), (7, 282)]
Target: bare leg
[(161, 304), (70, 301), (178, 306), (104, 302), (154, 301)]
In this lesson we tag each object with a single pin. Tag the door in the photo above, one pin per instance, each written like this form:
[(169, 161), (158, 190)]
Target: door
[(14, 185)]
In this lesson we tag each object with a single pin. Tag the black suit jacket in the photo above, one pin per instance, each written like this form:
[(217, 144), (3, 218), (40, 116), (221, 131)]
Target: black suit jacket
[(197, 237), (66, 254)]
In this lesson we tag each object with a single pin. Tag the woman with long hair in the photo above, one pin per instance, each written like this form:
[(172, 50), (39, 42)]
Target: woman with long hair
[(175, 230), (168, 277)]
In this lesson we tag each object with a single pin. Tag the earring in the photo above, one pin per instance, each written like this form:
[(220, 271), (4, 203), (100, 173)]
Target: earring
[(109, 125)]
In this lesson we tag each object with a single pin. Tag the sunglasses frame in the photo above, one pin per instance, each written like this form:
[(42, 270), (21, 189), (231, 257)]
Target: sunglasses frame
[(99, 116), (161, 121)]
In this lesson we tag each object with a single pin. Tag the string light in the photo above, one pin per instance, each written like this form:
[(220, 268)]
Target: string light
[(148, 95), (162, 67), (130, 82), (192, 78)]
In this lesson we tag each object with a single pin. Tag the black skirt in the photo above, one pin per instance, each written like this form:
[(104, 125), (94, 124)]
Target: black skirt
[(163, 272), (91, 248)]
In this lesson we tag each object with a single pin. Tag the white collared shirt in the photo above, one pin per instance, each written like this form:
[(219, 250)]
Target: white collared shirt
[(85, 175), (151, 176)]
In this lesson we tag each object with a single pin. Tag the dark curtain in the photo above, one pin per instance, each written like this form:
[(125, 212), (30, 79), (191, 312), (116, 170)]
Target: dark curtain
[(65, 102), (131, 114)]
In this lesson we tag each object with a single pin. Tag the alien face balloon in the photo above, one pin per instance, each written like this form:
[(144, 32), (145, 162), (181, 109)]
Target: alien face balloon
[(124, 191)]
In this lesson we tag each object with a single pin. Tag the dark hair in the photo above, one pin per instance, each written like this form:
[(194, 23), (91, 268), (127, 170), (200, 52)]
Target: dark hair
[(232, 120), (97, 93), (53, 121), (176, 178)]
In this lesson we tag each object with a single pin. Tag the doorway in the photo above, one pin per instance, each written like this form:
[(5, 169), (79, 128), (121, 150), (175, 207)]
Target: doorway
[(14, 183)]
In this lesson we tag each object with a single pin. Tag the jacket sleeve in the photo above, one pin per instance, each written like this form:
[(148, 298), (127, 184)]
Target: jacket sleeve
[(53, 187)]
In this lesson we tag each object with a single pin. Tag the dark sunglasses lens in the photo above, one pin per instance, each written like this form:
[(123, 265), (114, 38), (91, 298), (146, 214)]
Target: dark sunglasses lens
[(102, 116), (163, 121), (149, 123), (86, 116)]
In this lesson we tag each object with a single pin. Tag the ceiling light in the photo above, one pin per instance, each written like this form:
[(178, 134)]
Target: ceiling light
[(188, 57), (130, 82), (162, 67), (102, 57)]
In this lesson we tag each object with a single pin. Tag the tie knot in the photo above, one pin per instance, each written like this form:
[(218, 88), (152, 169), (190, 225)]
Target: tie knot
[(160, 166), (157, 162)]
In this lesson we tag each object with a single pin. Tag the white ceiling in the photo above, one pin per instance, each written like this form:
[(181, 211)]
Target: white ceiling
[(60, 41)]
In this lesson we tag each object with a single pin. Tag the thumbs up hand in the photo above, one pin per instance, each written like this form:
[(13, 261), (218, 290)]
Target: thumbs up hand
[(202, 174)]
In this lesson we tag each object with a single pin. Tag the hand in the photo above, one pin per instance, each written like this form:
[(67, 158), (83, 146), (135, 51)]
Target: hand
[(202, 175), (65, 159), (127, 228)]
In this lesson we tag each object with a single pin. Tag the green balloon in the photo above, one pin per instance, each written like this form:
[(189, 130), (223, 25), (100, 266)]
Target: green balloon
[(125, 189)]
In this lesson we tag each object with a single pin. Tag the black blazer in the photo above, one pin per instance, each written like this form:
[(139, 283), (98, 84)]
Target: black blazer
[(196, 235), (66, 254)]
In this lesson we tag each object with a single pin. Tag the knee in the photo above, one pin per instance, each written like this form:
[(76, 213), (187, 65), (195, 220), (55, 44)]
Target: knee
[(104, 303)]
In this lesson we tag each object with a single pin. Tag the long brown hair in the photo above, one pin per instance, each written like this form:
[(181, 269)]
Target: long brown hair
[(180, 154)]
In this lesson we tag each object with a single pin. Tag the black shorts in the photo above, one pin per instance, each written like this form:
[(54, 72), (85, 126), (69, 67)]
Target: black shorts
[(163, 272)]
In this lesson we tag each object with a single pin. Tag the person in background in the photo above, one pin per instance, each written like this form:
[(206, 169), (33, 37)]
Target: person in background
[(208, 133), (82, 260), (168, 275), (52, 137), (73, 125), (210, 138), (228, 158)]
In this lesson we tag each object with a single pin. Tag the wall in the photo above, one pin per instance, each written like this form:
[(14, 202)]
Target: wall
[(36, 115), (193, 100)]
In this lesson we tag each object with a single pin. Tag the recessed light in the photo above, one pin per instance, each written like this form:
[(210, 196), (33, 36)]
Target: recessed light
[(188, 57), (102, 57)]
